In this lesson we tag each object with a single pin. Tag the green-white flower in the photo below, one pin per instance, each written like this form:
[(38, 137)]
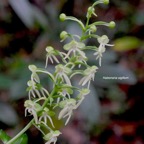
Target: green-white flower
[(74, 48), (32, 108), (46, 114), (67, 109), (52, 137), (103, 41), (65, 91), (81, 59), (35, 89), (63, 72), (35, 71), (51, 54), (34, 75), (89, 75)]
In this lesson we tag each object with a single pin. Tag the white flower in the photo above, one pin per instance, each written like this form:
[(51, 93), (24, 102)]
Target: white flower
[(64, 91), (103, 40), (62, 72), (52, 137), (89, 75), (46, 114), (36, 89), (74, 47), (81, 59), (71, 104), (51, 55), (34, 75), (32, 108), (67, 109)]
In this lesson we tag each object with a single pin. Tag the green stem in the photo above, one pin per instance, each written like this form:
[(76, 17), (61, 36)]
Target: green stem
[(99, 23), (21, 132), (47, 100), (76, 20), (87, 23)]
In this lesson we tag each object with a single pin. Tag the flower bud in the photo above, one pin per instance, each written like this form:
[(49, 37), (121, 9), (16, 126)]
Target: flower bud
[(106, 2), (63, 35), (91, 11), (112, 24), (62, 17), (93, 28)]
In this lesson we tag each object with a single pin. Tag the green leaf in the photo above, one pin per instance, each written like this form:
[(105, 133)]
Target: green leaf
[(4, 137), (126, 43), (23, 139), (18, 89), (8, 114)]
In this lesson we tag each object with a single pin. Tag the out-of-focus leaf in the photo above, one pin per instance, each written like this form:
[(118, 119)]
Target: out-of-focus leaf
[(18, 89), (4, 137), (126, 43), (109, 57), (28, 13), (22, 139), (8, 114), (5, 81), (90, 107), (112, 74)]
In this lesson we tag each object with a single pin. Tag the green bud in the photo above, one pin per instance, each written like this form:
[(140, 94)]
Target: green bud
[(63, 35), (91, 11), (62, 17), (93, 28), (106, 2), (112, 24)]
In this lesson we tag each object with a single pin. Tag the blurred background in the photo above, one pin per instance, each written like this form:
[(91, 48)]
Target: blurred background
[(113, 112)]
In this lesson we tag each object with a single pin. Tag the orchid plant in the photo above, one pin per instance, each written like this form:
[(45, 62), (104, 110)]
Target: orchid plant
[(43, 104)]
